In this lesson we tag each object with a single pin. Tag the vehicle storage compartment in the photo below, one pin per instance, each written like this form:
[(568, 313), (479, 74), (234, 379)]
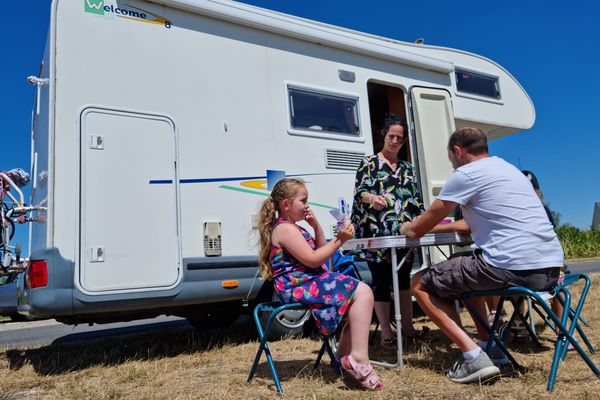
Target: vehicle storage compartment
[(129, 227)]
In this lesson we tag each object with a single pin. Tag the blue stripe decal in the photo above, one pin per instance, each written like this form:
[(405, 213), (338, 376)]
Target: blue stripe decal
[(206, 180), (240, 178)]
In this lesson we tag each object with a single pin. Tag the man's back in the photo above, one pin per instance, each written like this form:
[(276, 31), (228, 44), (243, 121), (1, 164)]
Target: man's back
[(508, 223), (507, 219)]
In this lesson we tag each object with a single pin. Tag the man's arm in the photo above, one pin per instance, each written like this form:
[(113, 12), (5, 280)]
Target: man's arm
[(459, 226), (438, 210)]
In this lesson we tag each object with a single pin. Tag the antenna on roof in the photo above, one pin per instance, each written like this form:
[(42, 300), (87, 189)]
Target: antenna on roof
[(420, 40)]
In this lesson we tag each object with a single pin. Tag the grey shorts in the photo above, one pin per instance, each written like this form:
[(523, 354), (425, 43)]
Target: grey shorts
[(467, 272)]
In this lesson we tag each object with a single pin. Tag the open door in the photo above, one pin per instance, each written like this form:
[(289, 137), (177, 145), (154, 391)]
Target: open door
[(129, 232), (433, 121), (384, 99)]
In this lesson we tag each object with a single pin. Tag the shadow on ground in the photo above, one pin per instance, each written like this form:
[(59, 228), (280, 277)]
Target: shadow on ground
[(435, 352), (65, 356)]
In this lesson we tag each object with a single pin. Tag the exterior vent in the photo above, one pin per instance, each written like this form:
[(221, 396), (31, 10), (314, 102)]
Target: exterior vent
[(212, 239), (341, 159)]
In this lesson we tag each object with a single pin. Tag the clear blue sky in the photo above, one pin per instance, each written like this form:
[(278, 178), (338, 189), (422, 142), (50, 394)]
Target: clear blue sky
[(551, 47)]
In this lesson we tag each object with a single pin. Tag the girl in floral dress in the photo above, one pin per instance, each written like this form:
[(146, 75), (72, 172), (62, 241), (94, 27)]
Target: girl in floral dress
[(294, 260)]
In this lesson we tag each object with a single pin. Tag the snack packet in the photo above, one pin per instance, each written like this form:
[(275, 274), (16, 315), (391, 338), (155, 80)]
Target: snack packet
[(341, 214)]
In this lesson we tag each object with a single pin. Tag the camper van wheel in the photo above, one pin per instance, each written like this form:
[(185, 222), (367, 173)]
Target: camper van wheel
[(288, 323)]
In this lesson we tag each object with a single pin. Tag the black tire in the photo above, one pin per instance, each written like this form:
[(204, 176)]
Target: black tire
[(18, 253), (221, 317), (295, 323), (21, 318)]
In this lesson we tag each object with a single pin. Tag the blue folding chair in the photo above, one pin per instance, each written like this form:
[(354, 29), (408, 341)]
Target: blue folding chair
[(548, 297), (346, 264), (573, 313), (276, 308), (565, 325)]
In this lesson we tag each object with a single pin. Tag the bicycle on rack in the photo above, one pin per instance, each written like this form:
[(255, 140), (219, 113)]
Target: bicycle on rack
[(13, 211)]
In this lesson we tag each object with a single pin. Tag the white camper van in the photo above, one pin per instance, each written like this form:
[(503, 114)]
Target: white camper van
[(160, 126)]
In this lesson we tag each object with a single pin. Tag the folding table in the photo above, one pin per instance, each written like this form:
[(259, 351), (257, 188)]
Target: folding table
[(402, 242)]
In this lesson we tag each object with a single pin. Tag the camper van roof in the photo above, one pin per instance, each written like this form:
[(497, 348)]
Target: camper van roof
[(311, 31), (433, 58)]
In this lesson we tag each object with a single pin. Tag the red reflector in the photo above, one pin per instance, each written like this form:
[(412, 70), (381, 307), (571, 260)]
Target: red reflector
[(38, 274)]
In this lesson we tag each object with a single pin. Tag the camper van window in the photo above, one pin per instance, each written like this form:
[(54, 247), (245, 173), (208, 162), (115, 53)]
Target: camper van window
[(478, 84), (316, 111)]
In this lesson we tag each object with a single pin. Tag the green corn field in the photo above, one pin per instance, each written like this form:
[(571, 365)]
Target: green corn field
[(579, 244)]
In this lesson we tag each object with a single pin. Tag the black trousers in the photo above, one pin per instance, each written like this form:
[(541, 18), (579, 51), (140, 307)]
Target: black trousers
[(382, 276)]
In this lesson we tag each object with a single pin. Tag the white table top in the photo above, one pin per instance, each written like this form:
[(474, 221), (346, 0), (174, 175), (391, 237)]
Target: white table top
[(429, 239)]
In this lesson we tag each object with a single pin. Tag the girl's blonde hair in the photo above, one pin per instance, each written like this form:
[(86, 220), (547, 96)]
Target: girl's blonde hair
[(284, 189)]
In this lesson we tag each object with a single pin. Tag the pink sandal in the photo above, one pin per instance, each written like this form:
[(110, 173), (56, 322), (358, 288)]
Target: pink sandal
[(362, 373)]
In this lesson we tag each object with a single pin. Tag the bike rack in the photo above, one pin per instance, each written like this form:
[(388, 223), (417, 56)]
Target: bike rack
[(21, 201), (9, 263)]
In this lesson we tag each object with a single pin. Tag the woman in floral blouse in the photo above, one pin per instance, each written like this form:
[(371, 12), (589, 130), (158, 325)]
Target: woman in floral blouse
[(386, 194)]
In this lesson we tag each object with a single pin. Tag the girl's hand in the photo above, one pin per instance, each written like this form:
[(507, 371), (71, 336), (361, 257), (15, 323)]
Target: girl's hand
[(346, 233), (310, 218)]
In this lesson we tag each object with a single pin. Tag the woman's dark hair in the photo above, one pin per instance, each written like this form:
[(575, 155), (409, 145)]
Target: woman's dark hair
[(391, 120)]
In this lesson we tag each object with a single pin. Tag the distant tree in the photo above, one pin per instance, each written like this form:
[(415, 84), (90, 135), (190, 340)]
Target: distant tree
[(555, 215)]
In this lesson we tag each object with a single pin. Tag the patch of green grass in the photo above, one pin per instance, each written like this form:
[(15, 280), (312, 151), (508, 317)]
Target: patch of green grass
[(579, 244)]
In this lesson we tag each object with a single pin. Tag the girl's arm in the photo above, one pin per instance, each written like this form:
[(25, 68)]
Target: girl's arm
[(320, 239), (290, 237), (311, 219)]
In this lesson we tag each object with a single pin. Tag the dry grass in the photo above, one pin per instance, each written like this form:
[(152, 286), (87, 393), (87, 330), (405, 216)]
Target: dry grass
[(182, 364)]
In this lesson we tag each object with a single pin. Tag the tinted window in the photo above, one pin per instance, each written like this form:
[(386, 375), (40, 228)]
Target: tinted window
[(481, 85), (323, 112)]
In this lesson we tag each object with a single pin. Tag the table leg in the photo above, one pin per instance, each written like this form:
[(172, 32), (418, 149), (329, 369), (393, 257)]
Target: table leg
[(397, 317)]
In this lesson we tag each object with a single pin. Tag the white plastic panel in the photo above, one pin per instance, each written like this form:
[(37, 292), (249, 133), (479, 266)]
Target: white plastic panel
[(434, 123), (129, 229)]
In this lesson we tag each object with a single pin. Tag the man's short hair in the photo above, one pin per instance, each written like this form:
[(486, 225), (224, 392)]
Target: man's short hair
[(473, 140)]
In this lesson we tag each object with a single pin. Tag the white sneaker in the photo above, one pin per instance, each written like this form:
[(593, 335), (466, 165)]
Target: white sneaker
[(480, 369)]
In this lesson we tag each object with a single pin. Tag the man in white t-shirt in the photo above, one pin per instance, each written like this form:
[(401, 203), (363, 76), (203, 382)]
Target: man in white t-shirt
[(517, 245)]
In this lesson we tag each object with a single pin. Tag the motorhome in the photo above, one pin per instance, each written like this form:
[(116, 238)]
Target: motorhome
[(160, 126)]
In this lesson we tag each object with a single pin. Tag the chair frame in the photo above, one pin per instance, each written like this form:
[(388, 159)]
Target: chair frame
[(566, 325), (276, 308)]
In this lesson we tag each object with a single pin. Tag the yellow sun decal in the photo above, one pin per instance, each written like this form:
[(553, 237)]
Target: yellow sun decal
[(256, 184)]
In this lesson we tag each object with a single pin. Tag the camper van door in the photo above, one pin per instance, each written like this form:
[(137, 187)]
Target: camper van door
[(433, 121), (129, 203)]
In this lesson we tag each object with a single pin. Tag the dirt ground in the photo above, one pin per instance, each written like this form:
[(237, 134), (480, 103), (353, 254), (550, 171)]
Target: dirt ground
[(181, 363)]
